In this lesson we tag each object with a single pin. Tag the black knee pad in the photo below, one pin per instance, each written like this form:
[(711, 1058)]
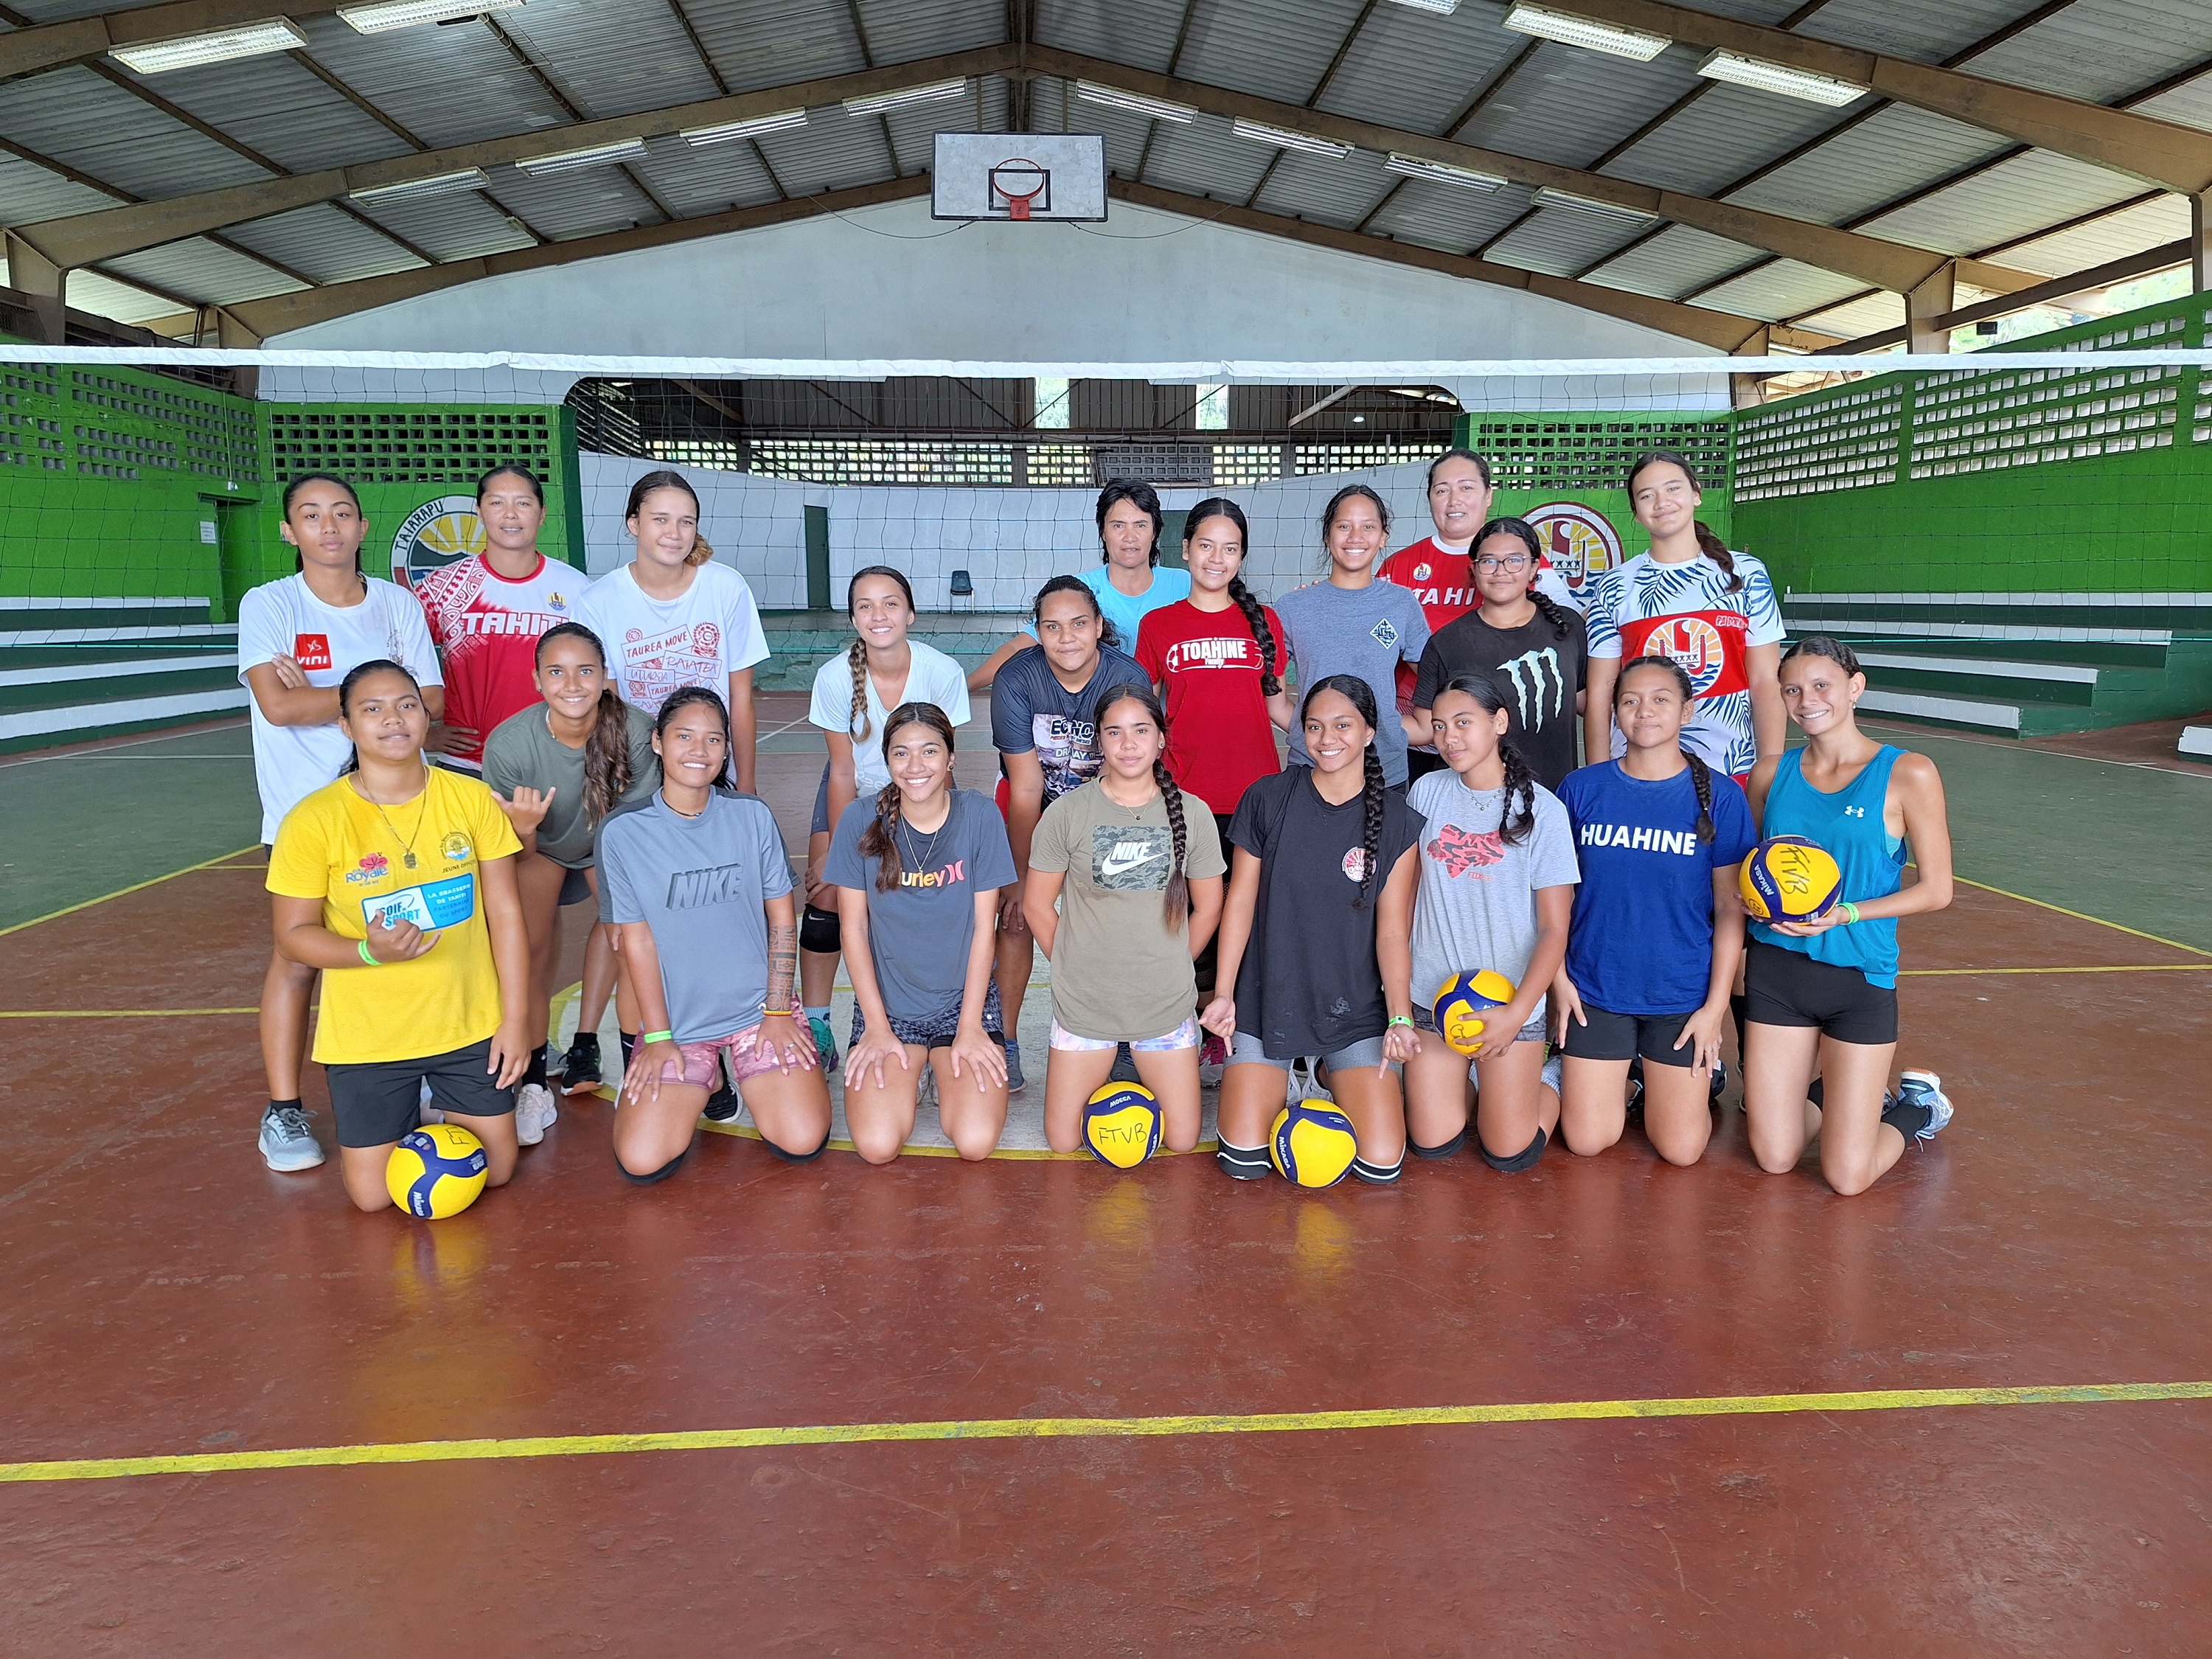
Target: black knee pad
[(797, 1158), (1524, 1159), (1377, 1175), (658, 1175), (820, 932), (1243, 1162), (1447, 1150)]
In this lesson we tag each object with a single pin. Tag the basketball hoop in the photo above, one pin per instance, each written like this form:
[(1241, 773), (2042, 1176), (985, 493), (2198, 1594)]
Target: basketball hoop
[(1018, 185)]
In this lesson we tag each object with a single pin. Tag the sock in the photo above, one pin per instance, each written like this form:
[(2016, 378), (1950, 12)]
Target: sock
[(1737, 1005), (1244, 1163), (1817, 1093), (1909, 1118), (659, 1175), (1379, 1175), (585, 1041), (535, 1072), (796, 1157), (628, 1043), (1444, 1151), (279, 1105)]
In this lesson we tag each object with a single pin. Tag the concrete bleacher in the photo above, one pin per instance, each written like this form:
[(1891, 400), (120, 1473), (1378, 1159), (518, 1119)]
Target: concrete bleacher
[(72, 669)]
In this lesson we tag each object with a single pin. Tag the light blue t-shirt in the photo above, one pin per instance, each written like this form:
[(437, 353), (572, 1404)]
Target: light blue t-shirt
[(1169, 586), (1363, 631)]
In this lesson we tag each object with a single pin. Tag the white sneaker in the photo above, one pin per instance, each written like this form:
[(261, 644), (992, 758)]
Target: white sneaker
[(533, 1110), (1926, 1088), (287, 1145)]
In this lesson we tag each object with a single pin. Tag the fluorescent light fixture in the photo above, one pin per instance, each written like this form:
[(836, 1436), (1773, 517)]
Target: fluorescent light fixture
[(1284, 138), (416, 189), (1596, 209), (215, 47), (1114, 98), (877, 103), (1442, 7), (574, 160), (781, 121), (405, 14), (1588, 33), (1439, 172), (1739, 70)]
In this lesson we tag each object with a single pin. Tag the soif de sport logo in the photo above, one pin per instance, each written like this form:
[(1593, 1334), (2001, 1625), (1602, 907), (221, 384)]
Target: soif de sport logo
[(1580, 541), (434, 535)]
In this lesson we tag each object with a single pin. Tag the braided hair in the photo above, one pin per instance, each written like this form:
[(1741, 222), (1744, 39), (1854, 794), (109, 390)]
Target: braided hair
[(1524, 532), (1139, 495), (607, 776), (1108, 633), (1708, 543), (1701, 775), (1255, 614), (856, 654), (880, 841), (1175, 903), (1513, 827), (1361, 696)]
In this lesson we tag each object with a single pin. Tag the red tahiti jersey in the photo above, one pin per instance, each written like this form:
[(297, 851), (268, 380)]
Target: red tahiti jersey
[(486, 629), (1442, 580), (1220, 741)]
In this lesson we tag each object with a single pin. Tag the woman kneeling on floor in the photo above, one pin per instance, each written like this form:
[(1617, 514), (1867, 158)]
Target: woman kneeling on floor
[(696, 880)]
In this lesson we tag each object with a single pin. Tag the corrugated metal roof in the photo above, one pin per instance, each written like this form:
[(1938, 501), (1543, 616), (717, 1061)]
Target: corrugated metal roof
[(1677, 261), (769, 43), (2084, 247), (1929, 31), (2005, 203), (1884, 156), (2102, 50), (1782, 288), (1727, 132), (1561, 242), (97, 127), (281, 108), (900, 31), (913, 130), (611, 60), (447, 85), (2188, 104), (460, 227), (104, 297), (29, 192), (1418, 68), (1330, 193), (1876, 313), (1138, 32), (1276, 48), (204, 271), (1571, 107), (709, 180), (323, 242), (1206, 158), (832, 151), (569, 205), (1445, 216)]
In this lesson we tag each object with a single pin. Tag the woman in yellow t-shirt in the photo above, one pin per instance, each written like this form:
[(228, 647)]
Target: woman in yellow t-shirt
[(397, 881)]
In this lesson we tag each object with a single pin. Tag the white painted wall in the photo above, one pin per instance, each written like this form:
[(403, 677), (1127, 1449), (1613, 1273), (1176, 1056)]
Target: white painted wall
[(888, 283)]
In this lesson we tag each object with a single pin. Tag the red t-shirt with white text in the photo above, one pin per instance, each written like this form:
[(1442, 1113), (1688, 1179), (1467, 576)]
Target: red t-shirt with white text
[(1444, 582), (1220, 741), (486, 629)]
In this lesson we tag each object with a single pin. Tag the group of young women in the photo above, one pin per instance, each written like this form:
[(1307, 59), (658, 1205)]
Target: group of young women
[(1201, 903)]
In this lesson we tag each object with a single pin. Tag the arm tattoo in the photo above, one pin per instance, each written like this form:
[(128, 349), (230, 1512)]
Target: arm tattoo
[(782, 967)]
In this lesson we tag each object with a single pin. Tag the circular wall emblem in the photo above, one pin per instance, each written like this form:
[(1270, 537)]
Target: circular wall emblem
[(1695, 644), (1580, 541), (434, 535)]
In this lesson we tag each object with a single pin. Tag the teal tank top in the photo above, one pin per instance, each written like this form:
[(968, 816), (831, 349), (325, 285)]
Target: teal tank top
[(1849, 823)]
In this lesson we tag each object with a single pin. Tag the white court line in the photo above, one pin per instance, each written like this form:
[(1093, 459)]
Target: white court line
[(159, 737)]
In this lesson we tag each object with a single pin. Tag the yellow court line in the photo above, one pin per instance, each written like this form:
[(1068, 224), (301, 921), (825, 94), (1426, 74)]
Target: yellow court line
[(2082, 915), (1108, 1428), (2130, 968), (117, 1013), (135, 887)]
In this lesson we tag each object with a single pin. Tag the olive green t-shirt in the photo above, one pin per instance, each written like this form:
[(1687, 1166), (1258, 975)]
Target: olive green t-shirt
[(1119, 975), (522, 753)]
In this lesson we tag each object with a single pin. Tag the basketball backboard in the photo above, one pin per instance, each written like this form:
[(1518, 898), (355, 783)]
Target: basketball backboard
[(1018, 175)]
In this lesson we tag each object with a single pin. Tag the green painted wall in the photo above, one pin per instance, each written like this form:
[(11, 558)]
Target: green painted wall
[(2000, 480)]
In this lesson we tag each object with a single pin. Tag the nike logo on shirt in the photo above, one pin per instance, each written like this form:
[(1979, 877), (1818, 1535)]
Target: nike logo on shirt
[(1126, 857)]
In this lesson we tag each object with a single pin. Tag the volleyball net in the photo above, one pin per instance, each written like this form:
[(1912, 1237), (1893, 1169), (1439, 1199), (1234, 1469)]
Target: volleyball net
[(2079, 475)]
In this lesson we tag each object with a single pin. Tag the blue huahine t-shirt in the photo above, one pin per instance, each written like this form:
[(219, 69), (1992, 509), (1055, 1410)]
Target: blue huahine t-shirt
[(1641, 940)]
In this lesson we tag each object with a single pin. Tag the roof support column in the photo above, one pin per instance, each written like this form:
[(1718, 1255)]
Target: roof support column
[(2200, 241), (47, 283), (1749, 390), (1926, 303)]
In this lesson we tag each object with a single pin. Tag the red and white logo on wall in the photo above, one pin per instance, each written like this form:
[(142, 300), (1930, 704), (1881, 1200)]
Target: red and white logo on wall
[(1579, 541)]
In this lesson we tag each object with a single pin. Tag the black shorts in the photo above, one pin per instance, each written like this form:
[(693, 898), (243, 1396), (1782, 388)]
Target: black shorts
[(378, 1101), (1625, 1037), (575, 887), (1787, 987), (819, 823)]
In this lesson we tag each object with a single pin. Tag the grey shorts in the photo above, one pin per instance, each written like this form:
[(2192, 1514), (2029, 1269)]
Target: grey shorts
[(575, 887), (1424, 1019), (1245, 1050), (939, 1033)]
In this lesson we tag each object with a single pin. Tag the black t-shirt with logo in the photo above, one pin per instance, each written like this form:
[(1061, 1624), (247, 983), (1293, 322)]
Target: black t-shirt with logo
[(1537, 673), (1309, 983)]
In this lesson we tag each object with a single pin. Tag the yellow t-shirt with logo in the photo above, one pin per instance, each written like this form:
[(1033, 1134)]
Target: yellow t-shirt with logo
[(340, 848)]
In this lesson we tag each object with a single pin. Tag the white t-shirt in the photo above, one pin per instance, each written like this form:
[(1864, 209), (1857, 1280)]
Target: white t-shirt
[(931, 676), (285, 619), (701, 637)]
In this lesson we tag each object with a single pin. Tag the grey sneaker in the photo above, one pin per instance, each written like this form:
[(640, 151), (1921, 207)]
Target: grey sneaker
[(287, 1145), (533, 1111), (1014, 1082), (1926, 1088)]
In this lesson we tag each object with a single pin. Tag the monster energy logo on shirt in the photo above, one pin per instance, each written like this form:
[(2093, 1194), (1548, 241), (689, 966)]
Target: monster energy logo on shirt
[(1530, 673)]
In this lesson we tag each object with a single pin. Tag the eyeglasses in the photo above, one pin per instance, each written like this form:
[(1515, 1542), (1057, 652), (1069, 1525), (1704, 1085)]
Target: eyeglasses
[(1512, 562)]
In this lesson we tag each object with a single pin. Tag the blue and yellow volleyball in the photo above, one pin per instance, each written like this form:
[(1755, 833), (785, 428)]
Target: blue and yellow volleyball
[(1122, 1125), (1790, 878), (1313, 1144), (1461, 1002), (435, 1171)]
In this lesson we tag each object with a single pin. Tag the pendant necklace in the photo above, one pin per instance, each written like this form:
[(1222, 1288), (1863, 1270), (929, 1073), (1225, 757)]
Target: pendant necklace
[(406, 843)]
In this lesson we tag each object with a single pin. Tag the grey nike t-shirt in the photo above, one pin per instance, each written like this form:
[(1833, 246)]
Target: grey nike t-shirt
[(1119, 974), (700, 884)]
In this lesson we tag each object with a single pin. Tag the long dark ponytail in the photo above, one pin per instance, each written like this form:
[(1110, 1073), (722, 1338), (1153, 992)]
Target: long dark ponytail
[(880, 841), (607, 776), (1255, 614), (1513, 827), (1708, 543), (1175, 904), (1524, 532), (1356, 692), (1701, 775), (856, 654)]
